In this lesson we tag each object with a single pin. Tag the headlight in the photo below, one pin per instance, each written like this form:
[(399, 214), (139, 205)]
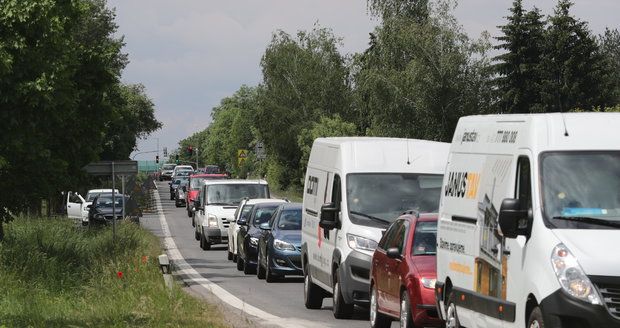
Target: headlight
[(571, 276), (212, 221), (253, 241), (361, 243), (428, 282), (282, 245)]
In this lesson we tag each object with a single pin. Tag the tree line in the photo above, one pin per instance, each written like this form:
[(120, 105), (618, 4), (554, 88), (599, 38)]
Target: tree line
[(62, 103), (419, 74)]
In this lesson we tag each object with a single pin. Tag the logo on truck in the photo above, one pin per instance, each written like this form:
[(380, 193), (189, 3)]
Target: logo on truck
[(462, 185)]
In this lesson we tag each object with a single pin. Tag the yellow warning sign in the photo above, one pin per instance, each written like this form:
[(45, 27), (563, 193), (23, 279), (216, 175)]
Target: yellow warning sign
[(242, 155)]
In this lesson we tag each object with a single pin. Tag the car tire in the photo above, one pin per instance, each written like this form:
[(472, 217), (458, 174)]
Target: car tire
[(193, 220), (247, 269), (269, 276), (536, 319), (341, 309), (196, 235), (377, 319), (171, 197), (260, 270), (239, 263), (230, 256), (189, 213), (313, 294), (234, 259), (452, 318), (406, 312)]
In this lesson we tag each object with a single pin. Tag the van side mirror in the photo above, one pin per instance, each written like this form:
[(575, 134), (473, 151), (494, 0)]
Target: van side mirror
[(393, 253), (328, 215), (513, 220)]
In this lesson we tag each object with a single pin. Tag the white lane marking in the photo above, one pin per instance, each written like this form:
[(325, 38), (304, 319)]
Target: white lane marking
[(190, 275)]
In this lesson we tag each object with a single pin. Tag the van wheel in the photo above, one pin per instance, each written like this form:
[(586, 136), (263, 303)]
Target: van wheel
[(341, 309), (452, 318), (536, 319), (204, 244), (377, 319), (406, 317), (313, 294), (239, 263)]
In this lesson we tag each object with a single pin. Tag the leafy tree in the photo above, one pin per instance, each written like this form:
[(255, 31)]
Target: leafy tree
[(417, 10), (304, 78), (417, 79), (574, 75), (519, 67), (609, 45)]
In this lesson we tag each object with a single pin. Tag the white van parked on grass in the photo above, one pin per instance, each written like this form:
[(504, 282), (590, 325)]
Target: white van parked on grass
[(529, 222), (216, 207), (354, 188)]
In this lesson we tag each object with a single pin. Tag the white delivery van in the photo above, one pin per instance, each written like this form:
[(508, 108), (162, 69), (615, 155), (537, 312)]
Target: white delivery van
[(216, 207), (529, 222), (354, 188)]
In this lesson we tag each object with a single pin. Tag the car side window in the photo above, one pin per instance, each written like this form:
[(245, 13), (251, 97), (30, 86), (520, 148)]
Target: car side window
[(388, 236)]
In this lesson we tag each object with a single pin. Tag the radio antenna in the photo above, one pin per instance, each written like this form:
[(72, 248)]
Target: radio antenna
[(408, 161), (564, 122)]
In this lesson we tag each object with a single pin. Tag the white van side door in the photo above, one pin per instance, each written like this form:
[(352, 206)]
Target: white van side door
[(315, 195), (327, 238), (74, 205)]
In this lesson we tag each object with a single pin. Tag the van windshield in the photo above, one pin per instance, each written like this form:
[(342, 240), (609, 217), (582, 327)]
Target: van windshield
[(580, 189), (386, 196), (231, 194)]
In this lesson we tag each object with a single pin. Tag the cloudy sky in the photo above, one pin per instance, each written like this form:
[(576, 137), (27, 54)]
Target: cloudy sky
[(191, 53)]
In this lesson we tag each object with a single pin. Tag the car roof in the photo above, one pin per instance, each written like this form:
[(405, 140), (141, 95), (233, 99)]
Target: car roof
[(274, 202), (235, 181), (291, 206), (254, 201), (209, 175)]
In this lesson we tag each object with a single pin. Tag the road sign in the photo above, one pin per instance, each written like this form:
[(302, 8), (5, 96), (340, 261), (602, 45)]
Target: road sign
[(165, 151), (105, 168), (242, 156), (259, 150)]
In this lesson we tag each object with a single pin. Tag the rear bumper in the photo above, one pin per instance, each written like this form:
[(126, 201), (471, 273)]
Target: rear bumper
[(562, 311)]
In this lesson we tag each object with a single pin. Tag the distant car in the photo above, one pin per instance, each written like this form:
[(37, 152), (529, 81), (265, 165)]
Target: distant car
[(174, 184), (212, 169), (244, 210), (166, 172), (403, 274), (249, 232), (180, 194), (77, 206), (279, 246), (188, 169), (195, 182), (105, 208)]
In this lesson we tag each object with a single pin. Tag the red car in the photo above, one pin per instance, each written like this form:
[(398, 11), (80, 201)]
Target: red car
[(403, 273), (195, 182)]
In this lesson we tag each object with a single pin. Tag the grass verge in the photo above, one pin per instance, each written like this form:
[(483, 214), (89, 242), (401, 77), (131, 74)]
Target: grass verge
[(53, 274)]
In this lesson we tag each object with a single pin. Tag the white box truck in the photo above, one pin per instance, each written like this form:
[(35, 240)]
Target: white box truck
[(354, 188), (529, 222)]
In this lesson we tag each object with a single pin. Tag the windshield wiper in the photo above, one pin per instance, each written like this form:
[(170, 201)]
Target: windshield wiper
[(371, 217), (590, 220)]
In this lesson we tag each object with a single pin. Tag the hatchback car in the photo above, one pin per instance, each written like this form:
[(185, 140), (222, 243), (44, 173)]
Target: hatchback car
[(279, 246), (249, 232), (403, 274), (175, 184)]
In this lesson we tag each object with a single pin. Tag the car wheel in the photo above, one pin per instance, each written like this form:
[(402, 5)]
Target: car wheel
[(269, 276), (260, 270), (536, 319), (193, 220), (406, 315), (313, 294), (189, 213), (452, 318), (341, 309), (196, 234), (239, 263), (171, 197), (377, 319), (235, 257), (247, 269), (230, 255)]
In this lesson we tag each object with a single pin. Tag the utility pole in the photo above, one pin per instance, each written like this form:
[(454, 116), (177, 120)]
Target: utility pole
[(197, 159)]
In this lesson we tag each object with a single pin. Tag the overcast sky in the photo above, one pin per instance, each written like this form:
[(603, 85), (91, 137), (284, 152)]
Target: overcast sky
[(191, 53)]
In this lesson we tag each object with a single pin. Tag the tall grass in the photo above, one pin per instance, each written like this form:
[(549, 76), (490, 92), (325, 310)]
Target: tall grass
[(53, 274)]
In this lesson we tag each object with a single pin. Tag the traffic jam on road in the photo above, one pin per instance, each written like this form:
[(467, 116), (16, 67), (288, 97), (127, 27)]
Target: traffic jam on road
[(513, 224)]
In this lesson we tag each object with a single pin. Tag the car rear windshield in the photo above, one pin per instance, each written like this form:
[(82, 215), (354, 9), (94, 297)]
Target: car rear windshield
[(263, 214), (107, 201), (425, 238), (231, 194), (290, 220), (168, 167)]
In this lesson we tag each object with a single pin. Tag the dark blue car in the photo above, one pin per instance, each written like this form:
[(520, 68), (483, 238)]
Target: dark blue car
[(279, 246)]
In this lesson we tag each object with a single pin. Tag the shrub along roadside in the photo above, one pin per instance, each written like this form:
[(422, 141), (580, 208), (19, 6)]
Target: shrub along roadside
[(54, 274)]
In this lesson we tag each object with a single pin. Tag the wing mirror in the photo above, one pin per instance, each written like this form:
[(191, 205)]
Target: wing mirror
[(393, 253), (242, 222), (328, 216), (265, 226), (513, 220)]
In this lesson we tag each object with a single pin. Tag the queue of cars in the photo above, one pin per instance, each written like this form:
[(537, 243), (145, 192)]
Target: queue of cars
[(513, 224)]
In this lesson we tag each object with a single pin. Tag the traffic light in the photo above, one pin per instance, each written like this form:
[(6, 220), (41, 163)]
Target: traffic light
[(157, 159), (176, 157), (190, 151)]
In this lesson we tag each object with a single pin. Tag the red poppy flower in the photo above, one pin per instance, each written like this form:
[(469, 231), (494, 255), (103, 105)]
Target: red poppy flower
[(119, 274)]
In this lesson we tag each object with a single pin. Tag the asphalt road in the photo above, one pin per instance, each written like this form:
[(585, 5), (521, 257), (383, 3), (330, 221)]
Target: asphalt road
[(283, 299)]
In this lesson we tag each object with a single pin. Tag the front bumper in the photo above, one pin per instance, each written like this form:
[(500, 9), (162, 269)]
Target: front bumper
[(562, 311), (285, 262), (355, 278), (216, 235)]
